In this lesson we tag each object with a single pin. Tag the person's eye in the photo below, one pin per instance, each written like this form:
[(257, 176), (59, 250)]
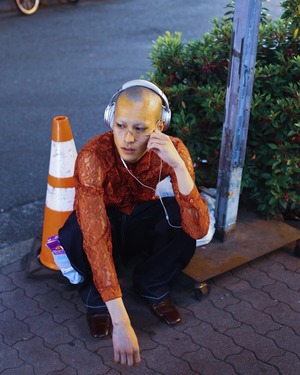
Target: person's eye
[(140, 129), (120, 126)]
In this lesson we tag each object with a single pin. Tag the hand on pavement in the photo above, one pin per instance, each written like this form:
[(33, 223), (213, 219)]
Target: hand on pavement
[(126, 347)]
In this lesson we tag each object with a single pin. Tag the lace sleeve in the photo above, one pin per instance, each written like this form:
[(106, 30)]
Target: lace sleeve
[(94, 223), (193, 208)]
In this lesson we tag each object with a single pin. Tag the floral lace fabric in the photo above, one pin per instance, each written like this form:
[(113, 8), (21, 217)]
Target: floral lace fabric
[(101, 181)]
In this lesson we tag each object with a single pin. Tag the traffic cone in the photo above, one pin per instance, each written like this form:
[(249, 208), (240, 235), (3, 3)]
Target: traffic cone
[(60, 189)]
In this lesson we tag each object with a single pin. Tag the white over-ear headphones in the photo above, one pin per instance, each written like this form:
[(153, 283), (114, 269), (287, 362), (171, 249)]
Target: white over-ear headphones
[(109, 112)]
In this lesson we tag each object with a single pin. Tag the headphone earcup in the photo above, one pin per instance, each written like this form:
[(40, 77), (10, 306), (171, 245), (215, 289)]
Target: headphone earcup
[(166, 116), (109, 115)]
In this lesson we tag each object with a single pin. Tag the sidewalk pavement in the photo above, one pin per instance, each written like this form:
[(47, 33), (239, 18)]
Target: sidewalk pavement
[(249, 324)]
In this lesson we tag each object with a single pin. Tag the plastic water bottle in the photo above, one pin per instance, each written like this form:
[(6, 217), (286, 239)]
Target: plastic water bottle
[(62, 261)]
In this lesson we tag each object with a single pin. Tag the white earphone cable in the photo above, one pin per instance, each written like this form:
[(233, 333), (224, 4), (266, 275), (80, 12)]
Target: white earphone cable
[(149, 187)]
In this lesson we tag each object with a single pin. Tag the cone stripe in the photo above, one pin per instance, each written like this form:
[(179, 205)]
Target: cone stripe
[(58, 182), (62, 159), (60, 199)]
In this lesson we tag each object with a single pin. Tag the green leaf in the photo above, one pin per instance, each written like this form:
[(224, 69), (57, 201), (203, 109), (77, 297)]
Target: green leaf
[(273, 146)]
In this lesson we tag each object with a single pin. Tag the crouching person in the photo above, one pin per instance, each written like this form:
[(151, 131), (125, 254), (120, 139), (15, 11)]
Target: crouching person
[(119, 212)]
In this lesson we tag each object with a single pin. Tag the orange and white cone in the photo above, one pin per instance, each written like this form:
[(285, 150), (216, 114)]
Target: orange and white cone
[(60, 189)]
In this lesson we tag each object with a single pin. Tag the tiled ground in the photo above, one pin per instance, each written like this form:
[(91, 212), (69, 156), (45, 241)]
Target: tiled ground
[(249, 324)]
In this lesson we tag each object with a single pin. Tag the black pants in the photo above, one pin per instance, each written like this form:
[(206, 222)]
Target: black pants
[(163, 250)]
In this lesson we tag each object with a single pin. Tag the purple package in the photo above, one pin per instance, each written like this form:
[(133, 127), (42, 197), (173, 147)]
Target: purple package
[(54, 245)]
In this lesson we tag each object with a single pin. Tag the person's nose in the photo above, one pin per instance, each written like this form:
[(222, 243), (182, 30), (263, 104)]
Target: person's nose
[(129, 137)]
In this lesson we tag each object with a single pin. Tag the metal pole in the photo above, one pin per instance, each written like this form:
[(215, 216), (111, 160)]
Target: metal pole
[(237, 112)]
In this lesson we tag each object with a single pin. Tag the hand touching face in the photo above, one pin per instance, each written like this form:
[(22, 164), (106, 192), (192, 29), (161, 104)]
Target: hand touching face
[(162, 145)]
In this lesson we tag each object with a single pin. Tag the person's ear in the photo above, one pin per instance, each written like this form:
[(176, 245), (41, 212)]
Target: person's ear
[(161, 125)]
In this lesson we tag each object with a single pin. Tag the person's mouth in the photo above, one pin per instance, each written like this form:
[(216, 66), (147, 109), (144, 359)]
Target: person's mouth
[(128, 150)]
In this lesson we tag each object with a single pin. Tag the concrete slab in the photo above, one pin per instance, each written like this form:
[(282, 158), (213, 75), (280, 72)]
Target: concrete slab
[(253, 238)]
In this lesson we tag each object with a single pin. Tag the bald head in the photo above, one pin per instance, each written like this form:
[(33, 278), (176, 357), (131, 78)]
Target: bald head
[(151, 101)]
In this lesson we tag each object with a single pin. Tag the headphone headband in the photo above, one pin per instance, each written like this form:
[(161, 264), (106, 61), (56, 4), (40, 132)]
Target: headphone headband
[(109, 112)]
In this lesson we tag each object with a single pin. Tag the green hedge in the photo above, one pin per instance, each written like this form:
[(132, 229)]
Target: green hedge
[(194, 76)]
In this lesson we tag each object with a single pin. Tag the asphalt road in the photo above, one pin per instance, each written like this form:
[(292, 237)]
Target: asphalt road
[(69, 60)]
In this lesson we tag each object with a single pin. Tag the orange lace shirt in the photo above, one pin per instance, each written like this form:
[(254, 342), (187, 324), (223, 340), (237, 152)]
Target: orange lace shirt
[(101, 180)]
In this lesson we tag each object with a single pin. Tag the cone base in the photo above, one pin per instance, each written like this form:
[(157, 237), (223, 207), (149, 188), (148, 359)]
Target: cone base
[(53, 221), (46, 259)]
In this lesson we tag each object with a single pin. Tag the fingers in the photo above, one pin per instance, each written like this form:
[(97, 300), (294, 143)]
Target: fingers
[(136, 358), (157, 135), (162, 145), (157, 140), (129, 359)]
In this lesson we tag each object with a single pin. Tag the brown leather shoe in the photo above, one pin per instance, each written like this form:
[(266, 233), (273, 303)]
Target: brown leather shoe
[(166, 311), (100, 325)]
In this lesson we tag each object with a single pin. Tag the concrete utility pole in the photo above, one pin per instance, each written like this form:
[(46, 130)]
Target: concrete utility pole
[(238, 102)]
